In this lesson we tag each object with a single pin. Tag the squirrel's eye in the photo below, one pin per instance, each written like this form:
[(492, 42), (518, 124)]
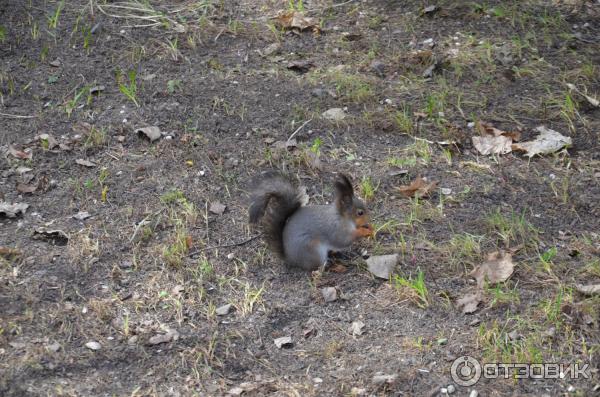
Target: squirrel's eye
[(360, 212)]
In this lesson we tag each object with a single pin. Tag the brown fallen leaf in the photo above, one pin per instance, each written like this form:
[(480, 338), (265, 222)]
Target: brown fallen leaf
[(498, 267), (297, 20), (468, 303), (19, 154), (8, 252), (300, 66), (418, 188), (588, 289), (24, 188), (549, 141)]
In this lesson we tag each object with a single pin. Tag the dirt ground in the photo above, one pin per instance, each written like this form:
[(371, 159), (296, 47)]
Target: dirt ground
[(114, 280)]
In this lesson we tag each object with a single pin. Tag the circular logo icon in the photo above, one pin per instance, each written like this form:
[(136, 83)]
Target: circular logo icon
[(465, 371)]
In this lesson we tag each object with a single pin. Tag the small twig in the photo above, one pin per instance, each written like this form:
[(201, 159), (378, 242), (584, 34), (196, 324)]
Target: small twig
[(224, 245), (219, 35), (298, 129), (16, 116), (144, 222)]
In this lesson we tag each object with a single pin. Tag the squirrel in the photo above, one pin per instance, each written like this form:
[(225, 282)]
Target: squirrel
[(303, 236)]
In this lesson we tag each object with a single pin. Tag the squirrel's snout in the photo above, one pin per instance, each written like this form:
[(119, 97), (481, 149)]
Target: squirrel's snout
[(366, 230)]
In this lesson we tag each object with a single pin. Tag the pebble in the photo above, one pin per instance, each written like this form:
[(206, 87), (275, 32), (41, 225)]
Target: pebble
[(93, 345), (474, 393), (451, 389)]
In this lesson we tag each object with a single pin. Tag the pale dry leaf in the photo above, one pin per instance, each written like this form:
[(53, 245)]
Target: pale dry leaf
[(588, 289), (284, 341), (49, 141), (357, 328), (85, 163), (468, 303), (592, 101), (418, 188), (297, 20), (493, 140), (549, 141), (497, 268), (152, 133), (12, 210), (487, 145)]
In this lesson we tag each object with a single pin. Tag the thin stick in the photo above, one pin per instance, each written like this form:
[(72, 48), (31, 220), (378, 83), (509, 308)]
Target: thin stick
[(298, 129), (16, 116), (224, 245)]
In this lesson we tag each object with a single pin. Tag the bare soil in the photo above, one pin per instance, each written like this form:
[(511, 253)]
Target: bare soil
[(227, 86)]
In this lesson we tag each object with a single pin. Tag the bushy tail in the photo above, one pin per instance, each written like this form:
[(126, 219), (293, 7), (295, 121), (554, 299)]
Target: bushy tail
[(273, 199)]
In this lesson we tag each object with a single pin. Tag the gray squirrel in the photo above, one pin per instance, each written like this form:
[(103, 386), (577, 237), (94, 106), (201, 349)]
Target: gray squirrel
[(303, 236)]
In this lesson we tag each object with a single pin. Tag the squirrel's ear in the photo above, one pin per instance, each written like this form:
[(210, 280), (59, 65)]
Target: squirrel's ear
[(344, 194)]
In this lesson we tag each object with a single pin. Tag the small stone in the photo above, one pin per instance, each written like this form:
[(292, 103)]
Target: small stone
[(357, 328), (334, 114), (81, 215), (380, 379), (223, 310), (355, 391), (443, 391), (451, 389), (53, 347), (285, 341), (171, 334), (382, 266), (93, 345), (571, 389), (442, 341), (317, 380), (446, 191), (378, 67), (329, 294), (474, 393), (133, 340)]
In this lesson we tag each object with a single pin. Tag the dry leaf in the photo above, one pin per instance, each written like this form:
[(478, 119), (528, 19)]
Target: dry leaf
[(357, 328), (284, 341), (24, 188), (593, 101), (56, 237), (297, 20), (418, 188), (19, 153), (549, 141), (493, 140), (469, 302), (217, 208), (8, 252), (48, 140), (85, 163), (12, 210), (497, 268), (152, 133), (588, 289)]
